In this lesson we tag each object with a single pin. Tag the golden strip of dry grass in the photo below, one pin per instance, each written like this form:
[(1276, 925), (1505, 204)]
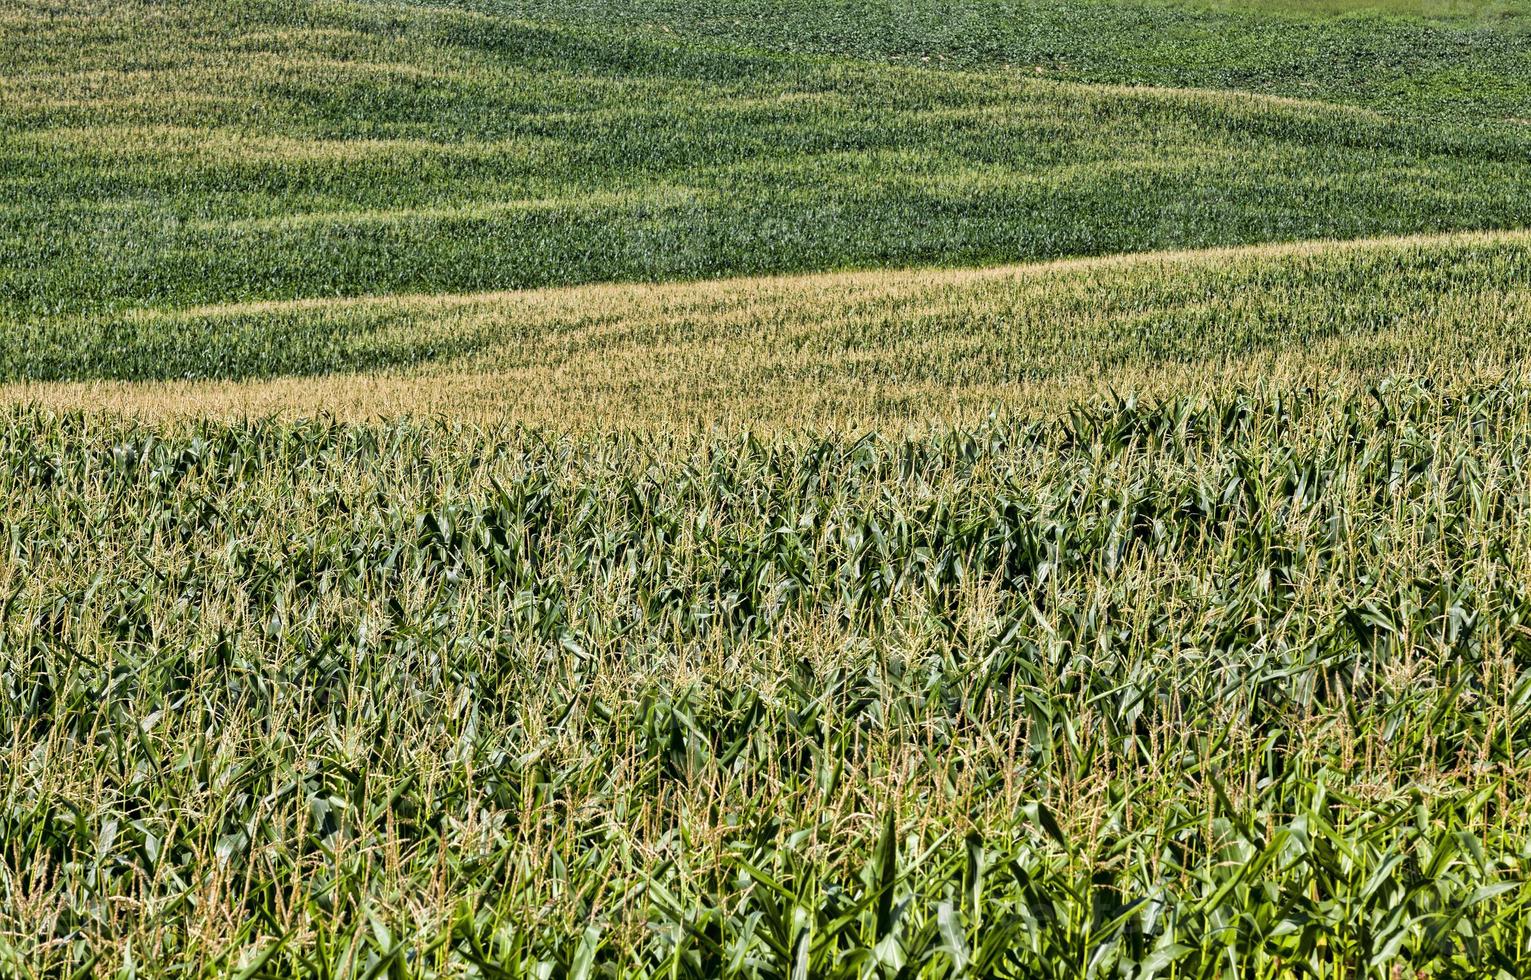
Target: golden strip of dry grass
[(881, 280), (891, 349)]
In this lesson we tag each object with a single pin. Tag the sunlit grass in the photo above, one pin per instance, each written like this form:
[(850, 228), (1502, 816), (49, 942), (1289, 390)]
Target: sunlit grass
[(866, 350)]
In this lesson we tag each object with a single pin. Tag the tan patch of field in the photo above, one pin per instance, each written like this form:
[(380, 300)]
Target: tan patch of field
[(211, 143), (888, 349), (683, 388), (853, 283), (1225, 100), (654, 196)]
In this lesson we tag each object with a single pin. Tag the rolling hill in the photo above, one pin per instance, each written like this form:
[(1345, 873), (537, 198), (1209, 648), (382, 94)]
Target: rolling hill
[(765, 488)]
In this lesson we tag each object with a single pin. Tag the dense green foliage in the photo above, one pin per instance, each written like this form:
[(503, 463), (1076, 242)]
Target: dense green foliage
[(1153, 691), (165, 156), (1475, 64), (1230, 684)]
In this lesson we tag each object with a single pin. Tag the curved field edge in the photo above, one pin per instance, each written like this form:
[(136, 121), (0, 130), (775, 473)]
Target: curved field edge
[(869, 348), (174, 156)]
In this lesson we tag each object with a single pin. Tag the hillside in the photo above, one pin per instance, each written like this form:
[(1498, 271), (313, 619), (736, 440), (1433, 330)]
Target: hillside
[(883, 349), (769, 489), (166, 157)]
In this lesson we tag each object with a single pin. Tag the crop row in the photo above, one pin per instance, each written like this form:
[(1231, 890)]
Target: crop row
[(1226, 688), (315, 150)]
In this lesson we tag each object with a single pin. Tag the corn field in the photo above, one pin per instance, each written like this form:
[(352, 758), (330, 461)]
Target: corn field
[(765, 489), (1224, 688)]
